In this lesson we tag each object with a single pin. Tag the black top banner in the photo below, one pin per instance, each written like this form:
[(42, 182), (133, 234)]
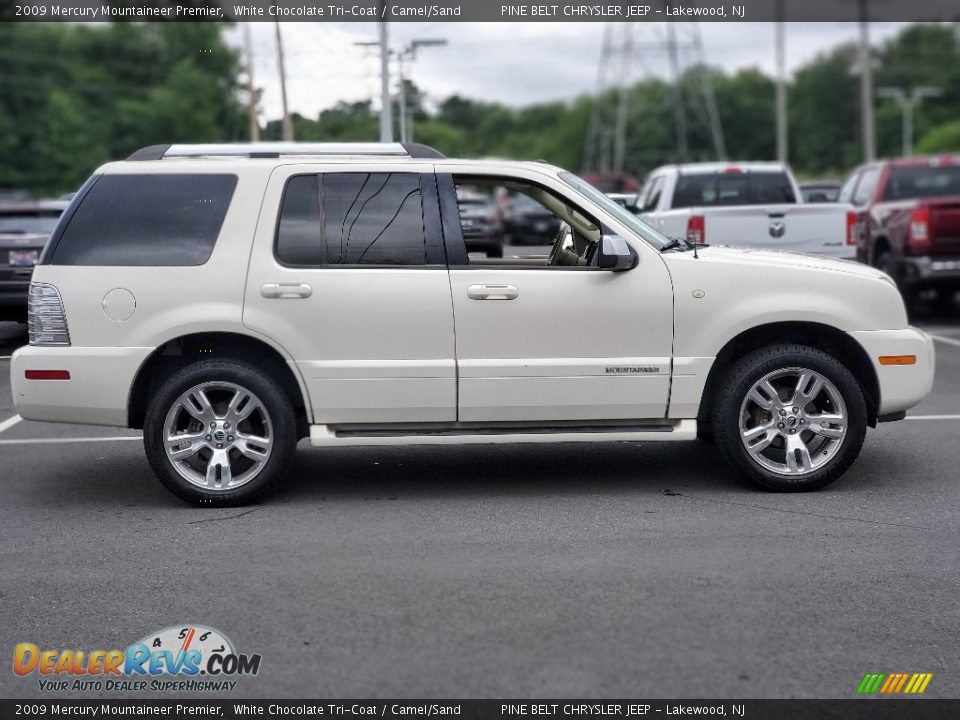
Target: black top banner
[(481, 10)]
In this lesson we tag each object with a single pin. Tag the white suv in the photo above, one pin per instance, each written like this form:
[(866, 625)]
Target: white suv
[(233, 299)]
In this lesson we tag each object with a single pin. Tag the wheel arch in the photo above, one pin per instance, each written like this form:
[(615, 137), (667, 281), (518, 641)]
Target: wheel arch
[(816, 335), (880, 245), (183, 350)]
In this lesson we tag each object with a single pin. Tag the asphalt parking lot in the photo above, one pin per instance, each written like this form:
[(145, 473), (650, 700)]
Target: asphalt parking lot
[(616, 570)]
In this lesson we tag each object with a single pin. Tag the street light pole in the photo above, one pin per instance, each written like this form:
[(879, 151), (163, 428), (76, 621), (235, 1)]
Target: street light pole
[(410, 51), (866, 87), (287, 125), (908, 103), (403, 97), (781, 83), (386, 119)]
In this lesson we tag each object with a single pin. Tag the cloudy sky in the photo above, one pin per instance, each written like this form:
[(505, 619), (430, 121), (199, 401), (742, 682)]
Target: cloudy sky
[(513, 63)]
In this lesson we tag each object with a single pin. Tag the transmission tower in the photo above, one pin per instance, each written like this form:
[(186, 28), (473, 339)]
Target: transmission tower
[(629, 55)]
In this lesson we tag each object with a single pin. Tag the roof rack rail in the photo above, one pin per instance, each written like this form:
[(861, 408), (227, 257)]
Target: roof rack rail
[(277, 149)]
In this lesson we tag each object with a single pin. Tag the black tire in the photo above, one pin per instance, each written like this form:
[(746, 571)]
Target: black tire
[(281, 421), (738, 381)]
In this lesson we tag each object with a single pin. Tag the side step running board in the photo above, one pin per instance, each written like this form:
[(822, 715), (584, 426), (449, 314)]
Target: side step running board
[(672, 430)]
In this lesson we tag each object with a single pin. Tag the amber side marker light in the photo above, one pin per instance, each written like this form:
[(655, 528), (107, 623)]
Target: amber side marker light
[(47, 374), (898, 359)]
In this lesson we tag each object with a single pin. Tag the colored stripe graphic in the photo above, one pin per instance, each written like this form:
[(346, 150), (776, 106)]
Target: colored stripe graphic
[(894, 683), (870, 683)]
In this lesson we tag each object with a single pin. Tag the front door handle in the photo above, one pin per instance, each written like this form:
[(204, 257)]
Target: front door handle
[(286, 290), (492, 292)]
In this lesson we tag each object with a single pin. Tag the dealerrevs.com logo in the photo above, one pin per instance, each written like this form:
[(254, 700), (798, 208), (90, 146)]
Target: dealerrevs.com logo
[(184, 658)]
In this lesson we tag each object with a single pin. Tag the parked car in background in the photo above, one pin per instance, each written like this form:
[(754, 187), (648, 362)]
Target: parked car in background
[(25, 228), (743, 204), (482, 227), (908, 221), (626, 200), (820, 191), (526, 221)]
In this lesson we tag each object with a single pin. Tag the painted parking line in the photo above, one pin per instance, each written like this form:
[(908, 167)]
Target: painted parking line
[(47, 441), (946, 340), (933, 417), (10, 422)]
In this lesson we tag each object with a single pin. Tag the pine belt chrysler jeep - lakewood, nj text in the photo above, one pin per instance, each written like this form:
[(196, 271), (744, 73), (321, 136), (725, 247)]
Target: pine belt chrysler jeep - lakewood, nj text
[(233, 299)]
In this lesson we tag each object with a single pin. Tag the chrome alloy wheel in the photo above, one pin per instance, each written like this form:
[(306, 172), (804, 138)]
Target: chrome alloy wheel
[(793, 421), (218, 435)]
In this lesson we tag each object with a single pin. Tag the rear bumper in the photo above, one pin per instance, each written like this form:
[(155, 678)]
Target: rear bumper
[(97, 392), (901, 386), (932, 271)]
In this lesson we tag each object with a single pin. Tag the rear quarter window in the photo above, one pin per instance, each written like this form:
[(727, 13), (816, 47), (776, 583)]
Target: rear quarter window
[(147, 220)]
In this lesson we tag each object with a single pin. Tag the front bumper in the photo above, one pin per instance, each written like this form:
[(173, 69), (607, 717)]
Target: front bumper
[(901, 386), (97, 392)]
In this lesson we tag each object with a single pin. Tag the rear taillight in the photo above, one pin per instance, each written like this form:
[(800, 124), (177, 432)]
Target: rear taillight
[(696, 230), (46, 320), (918, 234), (851, 225)]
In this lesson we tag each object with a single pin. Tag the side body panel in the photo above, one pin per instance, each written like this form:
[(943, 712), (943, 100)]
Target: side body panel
[(373, 344)]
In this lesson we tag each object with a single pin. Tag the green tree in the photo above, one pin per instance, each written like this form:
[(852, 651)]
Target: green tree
[(941, 139)]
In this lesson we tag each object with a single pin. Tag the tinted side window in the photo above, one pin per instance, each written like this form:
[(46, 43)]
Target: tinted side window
[(147, 220), (846, 192), (373, 219), (867, 186), (298, 230), (653, 197)]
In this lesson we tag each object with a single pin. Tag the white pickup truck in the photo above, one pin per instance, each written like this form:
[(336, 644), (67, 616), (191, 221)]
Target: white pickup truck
[(754, 204)]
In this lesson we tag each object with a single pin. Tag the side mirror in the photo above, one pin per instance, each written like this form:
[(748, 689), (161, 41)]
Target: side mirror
[(616, 254)]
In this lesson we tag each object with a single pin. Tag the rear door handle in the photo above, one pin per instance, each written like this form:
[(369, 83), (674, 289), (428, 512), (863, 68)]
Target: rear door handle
[(492, 292), (286, 290)]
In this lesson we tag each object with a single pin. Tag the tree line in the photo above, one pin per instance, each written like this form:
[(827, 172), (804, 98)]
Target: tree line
[(73, 96)]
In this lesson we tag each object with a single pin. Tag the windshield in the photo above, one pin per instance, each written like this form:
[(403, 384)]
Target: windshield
[(642, 229), (40, 223)]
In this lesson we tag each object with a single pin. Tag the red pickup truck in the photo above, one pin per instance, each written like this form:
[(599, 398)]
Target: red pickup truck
[(908, 221)]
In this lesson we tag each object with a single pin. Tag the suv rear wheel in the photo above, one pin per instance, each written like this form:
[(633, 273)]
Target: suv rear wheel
[(790, 418), (219, 433)]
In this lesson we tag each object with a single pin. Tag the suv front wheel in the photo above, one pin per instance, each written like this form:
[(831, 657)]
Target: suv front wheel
[(790, 418), (219, 432)]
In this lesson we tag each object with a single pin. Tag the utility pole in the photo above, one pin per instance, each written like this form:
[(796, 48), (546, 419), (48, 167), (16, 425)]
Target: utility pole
[(287, 122), (781, 43), (691, 108), (866, 86), (679, 113), (403, 97), (410, 51), (623, 109), (908, 103), (386, 119), (251, 87)]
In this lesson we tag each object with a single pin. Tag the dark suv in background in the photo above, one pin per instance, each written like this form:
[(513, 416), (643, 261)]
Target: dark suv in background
[(908, 221), (25, 228)]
